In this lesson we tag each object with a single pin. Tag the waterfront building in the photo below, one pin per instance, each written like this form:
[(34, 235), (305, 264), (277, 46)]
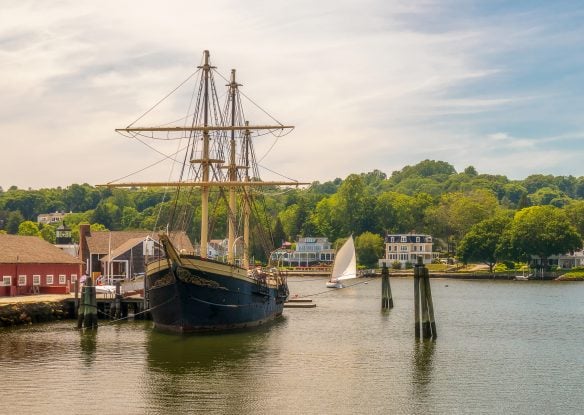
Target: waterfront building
[(308, 251), (405, 248), (122, 253), (564, 261), (31, 265)]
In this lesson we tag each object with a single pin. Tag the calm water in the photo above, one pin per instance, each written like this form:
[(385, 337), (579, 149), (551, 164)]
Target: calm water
[(503, 347)]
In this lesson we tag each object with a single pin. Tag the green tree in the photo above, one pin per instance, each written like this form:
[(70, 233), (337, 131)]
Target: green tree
[(480, 243), (13, 221), (49, 234), (369, 248), (575, 212), (457, 212), (541, 231), (28, 228), (108, 214), (278, 234), (545, 196), (131, 218)]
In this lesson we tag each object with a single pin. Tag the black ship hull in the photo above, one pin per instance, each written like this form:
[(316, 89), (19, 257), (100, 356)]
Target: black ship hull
[(201, 296)]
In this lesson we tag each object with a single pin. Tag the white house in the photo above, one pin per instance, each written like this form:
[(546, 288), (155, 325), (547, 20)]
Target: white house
[(407, 248), (308, 251)]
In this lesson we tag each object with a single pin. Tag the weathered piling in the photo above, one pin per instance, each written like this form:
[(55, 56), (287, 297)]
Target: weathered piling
[(87, 314), (386, 297), (417, 269), (430, 303), (117, 302), (76, 306), (424, 306)]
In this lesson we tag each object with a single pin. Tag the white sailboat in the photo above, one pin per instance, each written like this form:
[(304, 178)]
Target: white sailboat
[(345, 266)]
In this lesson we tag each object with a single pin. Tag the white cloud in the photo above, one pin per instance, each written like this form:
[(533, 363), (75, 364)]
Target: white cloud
[(368, 85)]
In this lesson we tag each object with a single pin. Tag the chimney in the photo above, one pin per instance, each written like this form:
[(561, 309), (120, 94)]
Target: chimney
[(84, 232)]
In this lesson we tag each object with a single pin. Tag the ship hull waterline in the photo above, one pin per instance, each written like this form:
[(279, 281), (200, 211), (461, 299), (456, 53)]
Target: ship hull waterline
[(200, 296)]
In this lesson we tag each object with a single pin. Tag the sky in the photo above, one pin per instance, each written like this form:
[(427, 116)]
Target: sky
[(368, 84)]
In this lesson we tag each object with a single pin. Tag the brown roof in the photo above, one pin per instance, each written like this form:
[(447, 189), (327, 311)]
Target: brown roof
[(126, 246), (100, 242), (31, 249)]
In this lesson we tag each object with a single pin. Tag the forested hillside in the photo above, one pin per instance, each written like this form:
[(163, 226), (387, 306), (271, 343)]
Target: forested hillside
[(460, 209)]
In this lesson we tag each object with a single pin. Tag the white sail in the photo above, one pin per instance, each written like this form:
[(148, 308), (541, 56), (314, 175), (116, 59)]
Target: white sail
[(345, 266)]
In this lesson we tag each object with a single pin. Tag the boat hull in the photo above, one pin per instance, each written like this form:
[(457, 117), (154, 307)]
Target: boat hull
[(330, 284), (201, 296)]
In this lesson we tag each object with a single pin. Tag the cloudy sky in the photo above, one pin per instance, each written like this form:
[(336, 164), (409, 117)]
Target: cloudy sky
[(368, 84)]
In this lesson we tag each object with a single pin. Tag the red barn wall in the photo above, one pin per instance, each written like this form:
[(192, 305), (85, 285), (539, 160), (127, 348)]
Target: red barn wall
[(14, 270)]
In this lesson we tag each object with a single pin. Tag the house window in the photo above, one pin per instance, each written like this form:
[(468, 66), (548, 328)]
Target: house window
[(415, 248), (404, 238), (403, 248), (392, 239), (73, 278), (403, 257), (6, 280), (417, 239), (421, 248), (62, 279), (36, 280), (21, 280), (49, 279)]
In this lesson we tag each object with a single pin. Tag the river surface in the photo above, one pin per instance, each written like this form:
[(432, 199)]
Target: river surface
[(503, 347)]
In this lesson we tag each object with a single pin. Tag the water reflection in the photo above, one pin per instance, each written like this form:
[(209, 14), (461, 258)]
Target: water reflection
[(88, 346), (423, 363), (216, 371)]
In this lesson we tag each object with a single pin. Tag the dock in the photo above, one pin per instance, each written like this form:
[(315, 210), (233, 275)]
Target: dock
[(299, 303)]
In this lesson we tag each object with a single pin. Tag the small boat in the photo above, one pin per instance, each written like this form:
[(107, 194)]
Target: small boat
[(345, 265), (522, 277)]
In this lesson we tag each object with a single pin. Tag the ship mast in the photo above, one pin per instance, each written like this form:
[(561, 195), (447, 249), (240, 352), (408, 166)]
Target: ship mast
[(246, 207), (209, 130), (232, 173), (205, 160)]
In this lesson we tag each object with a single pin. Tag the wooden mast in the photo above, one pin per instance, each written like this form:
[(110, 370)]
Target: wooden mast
[(232, 175), (246, 207), (203, 178), (205, 161)]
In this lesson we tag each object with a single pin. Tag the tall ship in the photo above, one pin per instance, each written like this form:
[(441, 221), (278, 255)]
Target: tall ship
[(198, 291)]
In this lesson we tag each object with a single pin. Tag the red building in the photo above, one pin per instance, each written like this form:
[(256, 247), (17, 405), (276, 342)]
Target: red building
[(30, 265)]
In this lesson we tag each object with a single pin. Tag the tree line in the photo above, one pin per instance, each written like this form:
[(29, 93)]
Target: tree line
[(478, 217)]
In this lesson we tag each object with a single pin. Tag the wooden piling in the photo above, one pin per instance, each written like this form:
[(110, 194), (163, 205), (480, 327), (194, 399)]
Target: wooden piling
[(76, 304), (430, 303), (424, 306), (87, 316), (118, 302), (386, 297), (417, 269)]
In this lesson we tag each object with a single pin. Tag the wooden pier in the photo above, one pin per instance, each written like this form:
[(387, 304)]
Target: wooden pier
[(299, 303), (129, 306)]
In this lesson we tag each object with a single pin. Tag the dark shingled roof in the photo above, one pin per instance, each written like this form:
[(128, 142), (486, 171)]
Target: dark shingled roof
[(31, 249), (99, 242)]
